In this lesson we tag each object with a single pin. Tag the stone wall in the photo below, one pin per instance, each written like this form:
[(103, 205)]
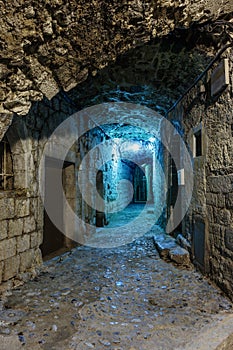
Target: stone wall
[(50, 45), (22, 220), (117, 191), (21, 214), (209, 221), (53, 46), (20, 236), (145, 75)]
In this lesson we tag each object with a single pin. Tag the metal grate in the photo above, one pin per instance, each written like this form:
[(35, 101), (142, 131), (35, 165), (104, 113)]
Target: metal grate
[(6, 166)]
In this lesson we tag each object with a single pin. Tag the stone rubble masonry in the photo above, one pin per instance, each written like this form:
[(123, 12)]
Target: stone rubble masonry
[(47, 46), (5, 120), (169, 249), (38, 38), (18, 236), (216, 200), (1, 270), (7, 206), (27, 259), (22, 207), (15, 227), (21, 210), (23, 243), (213, 178), (11, 268), (220, 184), (7, 248), (29, 224), (36, 239), (3, 229)]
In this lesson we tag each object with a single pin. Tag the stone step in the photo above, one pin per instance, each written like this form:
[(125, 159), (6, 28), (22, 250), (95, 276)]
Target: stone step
[(164, 246), (180, 256), (169, 249)]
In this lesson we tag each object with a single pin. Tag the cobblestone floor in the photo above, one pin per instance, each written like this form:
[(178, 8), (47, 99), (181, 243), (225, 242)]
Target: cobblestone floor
[(123, 298)]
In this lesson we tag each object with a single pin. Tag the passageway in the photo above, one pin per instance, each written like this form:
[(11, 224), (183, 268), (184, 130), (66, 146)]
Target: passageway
[(119, 298), (115, 136), (148, 160), (123, 227)]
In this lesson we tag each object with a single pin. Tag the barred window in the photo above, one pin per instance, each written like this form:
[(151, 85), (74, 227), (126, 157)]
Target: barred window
[(6, 166)]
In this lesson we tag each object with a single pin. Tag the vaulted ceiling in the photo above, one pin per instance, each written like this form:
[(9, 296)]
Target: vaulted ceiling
[(157, 73), (145, 52)]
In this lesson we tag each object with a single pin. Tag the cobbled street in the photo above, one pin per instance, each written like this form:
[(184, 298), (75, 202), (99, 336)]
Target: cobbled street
[(123, 298)]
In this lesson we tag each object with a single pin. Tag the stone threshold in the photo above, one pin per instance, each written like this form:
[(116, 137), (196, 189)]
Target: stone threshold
[(170, 250)]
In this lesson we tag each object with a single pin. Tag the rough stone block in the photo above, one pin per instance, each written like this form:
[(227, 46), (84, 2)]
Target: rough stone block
[(217, 242), (10, 342), (38, 257), (20, 180), (36, 239), (22, 207), (7, 208), (216, 200), (220, 202), (227, 344), (211, 199), (220, 184), (1, 270), (37, 207), (183, 242), (180, 256), (169, 249), (229, 239), (7, 248), (215, 229), (26, 260), (163, 244), (23, 243), (3, 229), (39, 215), (222, 216), (29, 224), (19, 162), (11, 268), (229, 200), (15, 227)]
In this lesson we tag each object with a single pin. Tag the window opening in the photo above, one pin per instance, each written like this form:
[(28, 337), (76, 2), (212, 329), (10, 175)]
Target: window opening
[(6, 166), (198, 143)]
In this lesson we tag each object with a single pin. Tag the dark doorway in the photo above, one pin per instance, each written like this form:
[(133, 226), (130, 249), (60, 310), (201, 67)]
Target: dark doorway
[(140, 186), (53, 239), (69, 187), (200, 245), (100, 216)]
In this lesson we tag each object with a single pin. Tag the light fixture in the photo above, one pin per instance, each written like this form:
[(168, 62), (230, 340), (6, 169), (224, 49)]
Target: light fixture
[(133, 146)]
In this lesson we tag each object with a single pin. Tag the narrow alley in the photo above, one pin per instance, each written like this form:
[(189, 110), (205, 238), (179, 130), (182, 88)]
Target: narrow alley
[(116, 175), (124, 298)]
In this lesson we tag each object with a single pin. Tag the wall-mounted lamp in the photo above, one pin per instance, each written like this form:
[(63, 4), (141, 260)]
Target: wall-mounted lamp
[(180, 174)]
